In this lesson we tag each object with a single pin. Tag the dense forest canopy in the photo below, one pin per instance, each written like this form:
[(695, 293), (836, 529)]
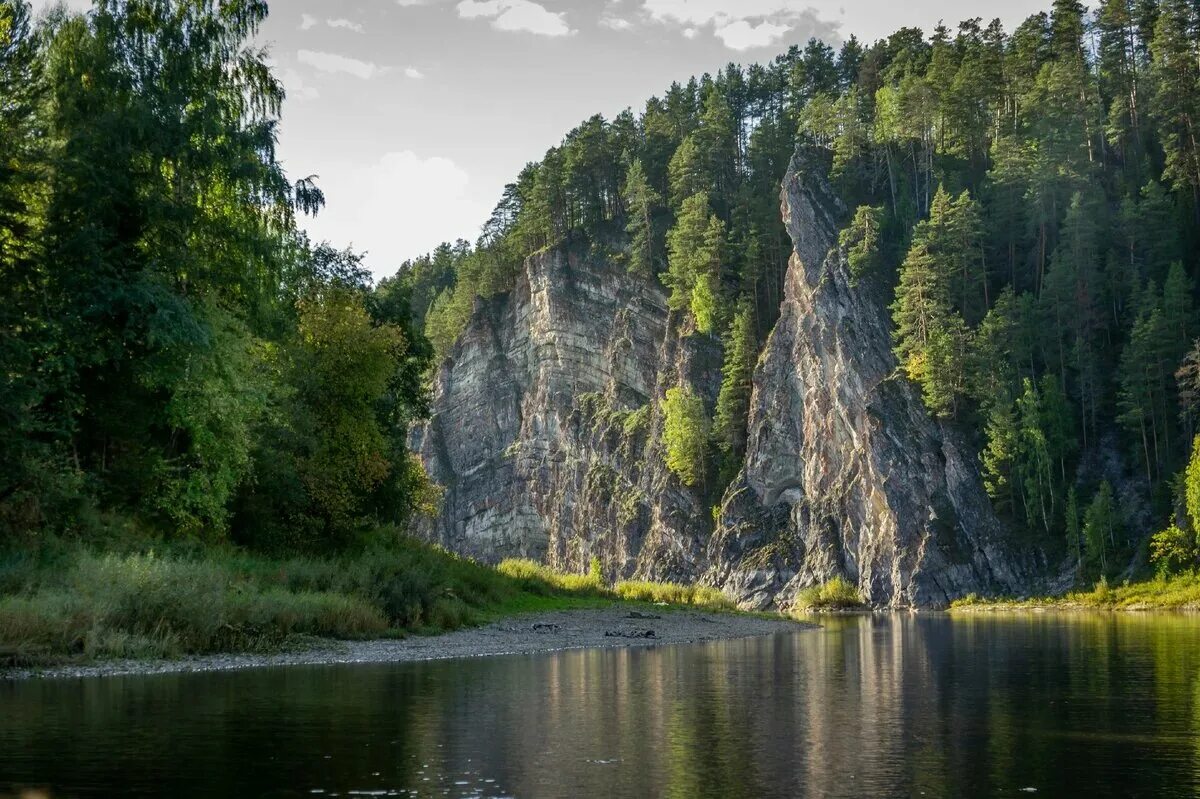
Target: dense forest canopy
[(178, 357), (1027, 202), (175, 356)]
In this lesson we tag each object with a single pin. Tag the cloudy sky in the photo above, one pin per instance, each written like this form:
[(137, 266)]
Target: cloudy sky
[(415, 113)]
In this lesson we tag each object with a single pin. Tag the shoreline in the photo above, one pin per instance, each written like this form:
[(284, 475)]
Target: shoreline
[(527, 634), (1066, 606)]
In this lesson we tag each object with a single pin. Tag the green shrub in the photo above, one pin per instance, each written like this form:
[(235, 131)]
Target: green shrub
[(686, 430), (837, 594)]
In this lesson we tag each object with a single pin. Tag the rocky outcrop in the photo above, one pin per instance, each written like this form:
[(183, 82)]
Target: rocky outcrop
[(846, 474), (546, 434)]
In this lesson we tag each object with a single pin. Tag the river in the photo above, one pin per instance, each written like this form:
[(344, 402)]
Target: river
[(1055, 705)]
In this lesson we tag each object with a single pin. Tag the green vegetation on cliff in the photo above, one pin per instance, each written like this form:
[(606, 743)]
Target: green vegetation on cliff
[(1027, 202)]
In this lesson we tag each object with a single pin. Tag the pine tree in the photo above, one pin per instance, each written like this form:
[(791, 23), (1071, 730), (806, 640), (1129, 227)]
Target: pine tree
[(931, 336), (999, 457), (1176, 73), (733, 401), (1120, 79), (640, 202), (1034, 462), (689, 173), (695, 249), (861, 240), (1100, 525), (1074, 532)]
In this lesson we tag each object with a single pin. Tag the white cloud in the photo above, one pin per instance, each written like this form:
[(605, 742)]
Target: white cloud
[(516, 15), (741, 26), (345, 24), (308, 22), (616, 23), (741, 35), (334, 63), (414, 73), (396, 208), (297, 89)]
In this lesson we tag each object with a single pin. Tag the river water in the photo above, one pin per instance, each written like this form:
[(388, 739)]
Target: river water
[(1053, 705)]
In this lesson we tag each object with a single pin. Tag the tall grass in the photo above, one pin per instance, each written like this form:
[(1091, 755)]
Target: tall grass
[(535, 577), (1181, 592), (75, 603), (837, 594)]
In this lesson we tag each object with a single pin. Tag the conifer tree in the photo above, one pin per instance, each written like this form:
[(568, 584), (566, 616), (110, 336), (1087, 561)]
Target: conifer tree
[(640, 202), (1176, 73), (733, 401)]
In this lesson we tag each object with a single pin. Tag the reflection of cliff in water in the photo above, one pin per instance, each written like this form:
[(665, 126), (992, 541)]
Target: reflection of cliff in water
[(1085, 705)]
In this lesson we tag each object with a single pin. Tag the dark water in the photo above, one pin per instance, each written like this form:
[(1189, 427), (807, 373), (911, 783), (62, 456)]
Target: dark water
[(1072, 706)]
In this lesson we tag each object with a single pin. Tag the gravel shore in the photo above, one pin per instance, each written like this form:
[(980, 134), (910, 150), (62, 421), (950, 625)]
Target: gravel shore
[(520, 635)]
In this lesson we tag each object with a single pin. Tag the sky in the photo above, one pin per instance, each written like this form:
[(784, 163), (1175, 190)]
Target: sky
[(414, 114)]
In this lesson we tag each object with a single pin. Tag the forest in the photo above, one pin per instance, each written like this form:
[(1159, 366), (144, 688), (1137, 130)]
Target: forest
[(1027, 201), (177, 358), (180, 361)]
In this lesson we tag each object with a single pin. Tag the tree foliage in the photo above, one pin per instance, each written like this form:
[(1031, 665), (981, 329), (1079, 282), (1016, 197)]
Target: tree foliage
[(174, 351), (686, 429)]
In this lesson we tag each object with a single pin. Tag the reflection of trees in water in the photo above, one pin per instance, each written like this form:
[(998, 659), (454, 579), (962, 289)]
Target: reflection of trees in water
[(868, 706)]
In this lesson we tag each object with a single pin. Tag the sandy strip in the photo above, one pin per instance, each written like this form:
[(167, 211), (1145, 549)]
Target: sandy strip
[(520, 635)]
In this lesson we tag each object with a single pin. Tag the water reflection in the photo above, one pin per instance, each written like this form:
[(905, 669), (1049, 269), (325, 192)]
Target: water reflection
[(1072, 705)]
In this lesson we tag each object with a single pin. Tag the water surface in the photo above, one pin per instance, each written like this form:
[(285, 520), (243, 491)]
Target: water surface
[(886, 706)]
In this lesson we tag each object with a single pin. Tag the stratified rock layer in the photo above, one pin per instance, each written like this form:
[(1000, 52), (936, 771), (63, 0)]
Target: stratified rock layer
[(546, 428), (547, 433)]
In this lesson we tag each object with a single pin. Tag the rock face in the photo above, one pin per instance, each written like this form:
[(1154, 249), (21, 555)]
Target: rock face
[(846, 473), (547, 433)]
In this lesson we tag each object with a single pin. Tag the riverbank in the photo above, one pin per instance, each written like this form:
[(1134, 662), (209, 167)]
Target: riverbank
[(617, 626), (73, 606), (1174, 593)]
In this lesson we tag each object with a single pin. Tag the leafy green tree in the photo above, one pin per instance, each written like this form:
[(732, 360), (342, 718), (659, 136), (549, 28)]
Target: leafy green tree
[(349, 456), (686, 432), (1035, 464)]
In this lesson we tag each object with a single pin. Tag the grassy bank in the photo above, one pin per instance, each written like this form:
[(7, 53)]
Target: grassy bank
[(71, 603), (1164, 593)]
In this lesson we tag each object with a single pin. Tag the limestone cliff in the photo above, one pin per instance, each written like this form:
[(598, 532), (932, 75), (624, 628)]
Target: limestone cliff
[(546, 429), (846, 473), (546, 434)]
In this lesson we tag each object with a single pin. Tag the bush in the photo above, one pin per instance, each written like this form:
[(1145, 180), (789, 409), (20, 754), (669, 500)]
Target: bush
[(1172, 551), (837, 594)]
